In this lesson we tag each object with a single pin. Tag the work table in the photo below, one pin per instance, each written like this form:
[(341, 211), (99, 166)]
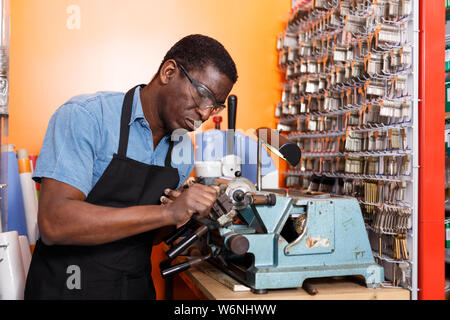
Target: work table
[(203, 285)]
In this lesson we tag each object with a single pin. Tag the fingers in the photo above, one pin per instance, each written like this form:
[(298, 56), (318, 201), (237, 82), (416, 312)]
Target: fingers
[(202, 194), (171, 194), (201, 198), (197, 199), (189, 182), (164, 200), (186, 184)]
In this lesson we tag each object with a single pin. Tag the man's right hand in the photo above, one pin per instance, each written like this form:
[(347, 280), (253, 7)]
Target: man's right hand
[(197, 199)]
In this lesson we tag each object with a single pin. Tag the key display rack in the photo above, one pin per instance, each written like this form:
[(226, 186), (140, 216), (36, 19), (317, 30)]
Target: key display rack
[(349, 100)]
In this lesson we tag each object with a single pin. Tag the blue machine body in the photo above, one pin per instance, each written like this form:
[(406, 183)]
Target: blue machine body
[(334, 242)]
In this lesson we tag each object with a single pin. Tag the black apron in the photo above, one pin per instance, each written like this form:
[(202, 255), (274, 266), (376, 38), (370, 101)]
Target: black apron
[(116, 270)]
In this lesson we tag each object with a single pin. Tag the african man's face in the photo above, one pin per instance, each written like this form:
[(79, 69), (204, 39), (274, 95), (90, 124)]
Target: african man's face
[(180, 108)]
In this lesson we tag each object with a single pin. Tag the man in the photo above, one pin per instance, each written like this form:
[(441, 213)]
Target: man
[(106, 165)]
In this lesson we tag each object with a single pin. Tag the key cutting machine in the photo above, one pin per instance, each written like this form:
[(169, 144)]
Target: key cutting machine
[(271, 240)]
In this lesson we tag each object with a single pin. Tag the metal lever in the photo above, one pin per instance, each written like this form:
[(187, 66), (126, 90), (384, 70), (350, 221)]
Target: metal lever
[(171, 238), (182, 266), (232, 105), (185, 243)]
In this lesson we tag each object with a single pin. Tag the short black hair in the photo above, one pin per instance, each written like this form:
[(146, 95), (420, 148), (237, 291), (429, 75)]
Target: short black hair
[(196, 51)]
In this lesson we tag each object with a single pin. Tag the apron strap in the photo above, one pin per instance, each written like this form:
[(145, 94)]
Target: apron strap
[(127, 108), (169, 155)]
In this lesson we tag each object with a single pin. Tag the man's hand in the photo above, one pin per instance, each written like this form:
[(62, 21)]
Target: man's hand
[(170, 195), (181, 204)]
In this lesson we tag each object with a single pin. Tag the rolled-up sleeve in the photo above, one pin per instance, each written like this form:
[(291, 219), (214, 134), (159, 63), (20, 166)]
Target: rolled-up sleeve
[(68, 151)]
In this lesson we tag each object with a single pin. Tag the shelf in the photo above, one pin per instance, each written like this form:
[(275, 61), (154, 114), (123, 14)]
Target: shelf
[(400, 204), (286, 119), (316, 134), (322, 154), (366, 128), (382, 232), (389, 259), (387, 153), (349, 176), (377, 127), (292, 118)]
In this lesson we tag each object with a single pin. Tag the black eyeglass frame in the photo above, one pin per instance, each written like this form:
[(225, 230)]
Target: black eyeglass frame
[(216, 107)]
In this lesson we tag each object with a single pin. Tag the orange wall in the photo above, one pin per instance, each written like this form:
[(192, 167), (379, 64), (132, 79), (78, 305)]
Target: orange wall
[(121, 43)]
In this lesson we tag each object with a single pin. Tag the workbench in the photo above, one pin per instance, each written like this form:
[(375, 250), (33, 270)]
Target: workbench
[(336, 288)]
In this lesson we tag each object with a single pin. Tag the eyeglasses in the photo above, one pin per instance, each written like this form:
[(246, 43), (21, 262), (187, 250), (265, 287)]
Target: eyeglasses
[(203, 97)]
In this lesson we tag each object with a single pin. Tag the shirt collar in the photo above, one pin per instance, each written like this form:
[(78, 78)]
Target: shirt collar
[(137, 112)]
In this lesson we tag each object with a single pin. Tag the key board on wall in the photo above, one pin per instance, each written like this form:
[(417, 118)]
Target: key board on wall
[(349, 100)]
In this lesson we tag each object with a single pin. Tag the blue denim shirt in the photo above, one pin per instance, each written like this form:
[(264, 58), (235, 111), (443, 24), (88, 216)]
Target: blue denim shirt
[(83, 135)]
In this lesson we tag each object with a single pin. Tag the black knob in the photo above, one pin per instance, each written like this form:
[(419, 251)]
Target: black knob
[(232, 106), (238, 244)]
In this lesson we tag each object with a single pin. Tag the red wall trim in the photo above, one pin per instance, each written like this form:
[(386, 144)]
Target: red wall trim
[(431, 268)]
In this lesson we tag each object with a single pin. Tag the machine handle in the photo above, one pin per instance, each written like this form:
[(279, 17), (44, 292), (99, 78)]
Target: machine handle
[(181, 267), (264, 199), (185, 243), (171, 238), (232, 108)]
